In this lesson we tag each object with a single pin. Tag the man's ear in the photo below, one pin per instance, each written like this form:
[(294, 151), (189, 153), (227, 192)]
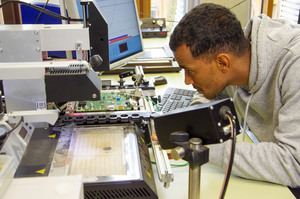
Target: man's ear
[(223, 62)]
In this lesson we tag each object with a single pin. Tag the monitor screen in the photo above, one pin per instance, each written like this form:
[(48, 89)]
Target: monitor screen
[(125, 39)]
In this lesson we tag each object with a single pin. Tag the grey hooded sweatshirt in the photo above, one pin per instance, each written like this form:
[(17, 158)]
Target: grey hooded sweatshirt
[(274, 107)]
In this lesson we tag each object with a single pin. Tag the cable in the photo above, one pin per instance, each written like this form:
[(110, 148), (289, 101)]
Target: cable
[(153, 103), (237, 4), (48, 12), (246, 115), (32, 6), (174, 165), (146, 14), (179, 165), (8, 132), (37, 19), (230, 162)]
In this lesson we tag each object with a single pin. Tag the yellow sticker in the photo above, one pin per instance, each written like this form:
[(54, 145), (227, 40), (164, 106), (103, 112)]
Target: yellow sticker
[(52, 136), (41, 171), (149, 174)]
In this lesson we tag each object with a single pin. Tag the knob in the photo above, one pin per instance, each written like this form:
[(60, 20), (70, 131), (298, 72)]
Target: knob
[(178, 153), (179, 136), (96, 61)]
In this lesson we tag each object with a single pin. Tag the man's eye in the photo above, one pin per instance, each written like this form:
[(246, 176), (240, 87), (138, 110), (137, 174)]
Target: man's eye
[(189, 72)]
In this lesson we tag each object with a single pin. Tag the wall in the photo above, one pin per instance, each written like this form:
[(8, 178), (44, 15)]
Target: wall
[(1, 17), (241, 11)]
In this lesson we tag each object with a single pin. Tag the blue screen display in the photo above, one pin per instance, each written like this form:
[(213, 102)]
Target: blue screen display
[(123, 28)]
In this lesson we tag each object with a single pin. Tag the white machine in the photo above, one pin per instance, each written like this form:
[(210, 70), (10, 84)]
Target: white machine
[(32, 89), (24, 73)]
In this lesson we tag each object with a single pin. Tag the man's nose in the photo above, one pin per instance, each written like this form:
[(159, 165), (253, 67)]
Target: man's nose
[(187, 78)]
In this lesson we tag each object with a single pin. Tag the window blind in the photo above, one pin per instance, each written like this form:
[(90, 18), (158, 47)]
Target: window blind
[(290, 9)]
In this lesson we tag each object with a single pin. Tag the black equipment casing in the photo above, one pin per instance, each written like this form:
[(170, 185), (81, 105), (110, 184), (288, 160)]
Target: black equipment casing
[(203, 121), (98, 31), (63, 86)]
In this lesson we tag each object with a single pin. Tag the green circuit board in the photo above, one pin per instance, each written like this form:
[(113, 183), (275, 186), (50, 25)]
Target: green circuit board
[(110, 101)]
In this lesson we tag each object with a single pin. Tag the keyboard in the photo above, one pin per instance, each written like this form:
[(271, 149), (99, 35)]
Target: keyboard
[(175, 98)]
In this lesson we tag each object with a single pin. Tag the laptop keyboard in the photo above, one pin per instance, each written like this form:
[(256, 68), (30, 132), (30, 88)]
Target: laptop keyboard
[(175, 98)]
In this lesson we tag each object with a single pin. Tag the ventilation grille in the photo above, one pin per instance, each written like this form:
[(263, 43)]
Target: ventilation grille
[(141, 193), (76, 65), (62, 72)]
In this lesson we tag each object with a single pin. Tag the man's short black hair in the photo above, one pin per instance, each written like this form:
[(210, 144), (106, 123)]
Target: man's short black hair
[(210, 29)]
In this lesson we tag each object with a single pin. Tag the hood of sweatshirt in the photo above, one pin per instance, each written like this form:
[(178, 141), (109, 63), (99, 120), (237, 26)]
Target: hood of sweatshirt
[(267, 38)]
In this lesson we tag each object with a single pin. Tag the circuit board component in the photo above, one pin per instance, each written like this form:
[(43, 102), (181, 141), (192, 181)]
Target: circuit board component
[(111, 100)]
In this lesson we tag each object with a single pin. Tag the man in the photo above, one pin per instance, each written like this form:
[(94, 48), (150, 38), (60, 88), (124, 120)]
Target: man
[(259, 68)]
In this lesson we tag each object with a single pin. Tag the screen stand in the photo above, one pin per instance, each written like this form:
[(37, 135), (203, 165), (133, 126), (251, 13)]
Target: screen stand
[(98, 31)]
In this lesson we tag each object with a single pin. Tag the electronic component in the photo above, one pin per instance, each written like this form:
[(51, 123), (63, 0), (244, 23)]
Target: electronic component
[(154, 27), (111, 100)]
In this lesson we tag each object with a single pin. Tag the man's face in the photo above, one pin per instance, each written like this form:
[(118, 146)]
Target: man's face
[(205, 76)]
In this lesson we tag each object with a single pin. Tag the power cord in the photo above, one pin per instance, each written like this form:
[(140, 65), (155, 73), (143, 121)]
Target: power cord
[(6, 134), (38, 17), (153, 103), (230, 116), (237, 4), (48, 12)]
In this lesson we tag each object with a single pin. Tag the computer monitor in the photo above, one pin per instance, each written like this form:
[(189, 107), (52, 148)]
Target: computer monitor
[(125, 38)]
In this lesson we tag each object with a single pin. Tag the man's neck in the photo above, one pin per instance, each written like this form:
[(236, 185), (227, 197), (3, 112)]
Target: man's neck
[(241, 68)]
